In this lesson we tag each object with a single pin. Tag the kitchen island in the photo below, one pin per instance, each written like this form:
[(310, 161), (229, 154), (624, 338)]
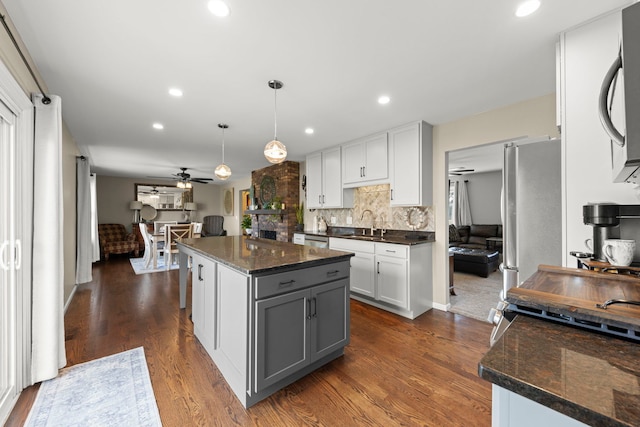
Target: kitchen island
[(267, 312)]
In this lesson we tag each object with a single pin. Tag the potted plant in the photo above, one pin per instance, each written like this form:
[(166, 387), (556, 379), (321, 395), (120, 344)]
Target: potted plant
[(246, 224), (299, 216)]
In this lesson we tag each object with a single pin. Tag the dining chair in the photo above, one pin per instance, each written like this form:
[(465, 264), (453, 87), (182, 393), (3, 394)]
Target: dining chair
[(149, 244), (197, 229), (173, 233), (158, 226)]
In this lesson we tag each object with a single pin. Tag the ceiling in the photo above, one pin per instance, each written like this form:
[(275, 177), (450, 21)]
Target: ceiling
[(112, 62)]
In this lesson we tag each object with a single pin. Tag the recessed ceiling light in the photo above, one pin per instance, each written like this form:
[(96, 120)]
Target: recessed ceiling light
[(527, 8), (158, 126), (308, 131), (384, 100), (174, 91), (218, 8)]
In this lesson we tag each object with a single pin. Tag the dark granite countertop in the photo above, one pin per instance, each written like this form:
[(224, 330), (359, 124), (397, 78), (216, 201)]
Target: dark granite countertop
[(401, 237), (588, 376), (251, 256)]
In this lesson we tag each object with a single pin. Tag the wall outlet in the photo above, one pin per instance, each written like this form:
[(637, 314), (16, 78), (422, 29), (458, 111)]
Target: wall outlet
[(349, 220), (333, 220)]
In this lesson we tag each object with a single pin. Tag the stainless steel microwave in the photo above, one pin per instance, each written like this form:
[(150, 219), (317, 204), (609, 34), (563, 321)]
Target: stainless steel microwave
[(621, 91)]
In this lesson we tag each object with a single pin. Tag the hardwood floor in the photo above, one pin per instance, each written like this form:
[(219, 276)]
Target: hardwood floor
[(394, 372)]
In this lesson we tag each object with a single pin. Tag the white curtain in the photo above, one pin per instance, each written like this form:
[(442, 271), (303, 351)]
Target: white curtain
[(48, 352), (84, 244), (462, 208), (95, 241)]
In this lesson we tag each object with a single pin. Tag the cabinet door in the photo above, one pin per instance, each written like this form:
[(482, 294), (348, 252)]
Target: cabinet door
[(332, 179), (203, 301), (363, 279), (314, 181), (376, 164), (392, 280), (282, 332), (353, 162), (405, 166), (329, 318)]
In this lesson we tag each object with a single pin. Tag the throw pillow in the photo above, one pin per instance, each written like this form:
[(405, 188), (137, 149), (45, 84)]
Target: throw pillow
[(454, 236)]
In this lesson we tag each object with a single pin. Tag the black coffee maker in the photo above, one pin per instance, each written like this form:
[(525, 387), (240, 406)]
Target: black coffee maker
[(609, 221)]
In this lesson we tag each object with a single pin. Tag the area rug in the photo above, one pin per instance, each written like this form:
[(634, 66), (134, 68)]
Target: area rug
[(138, 266), (111, 391), (475, 295)]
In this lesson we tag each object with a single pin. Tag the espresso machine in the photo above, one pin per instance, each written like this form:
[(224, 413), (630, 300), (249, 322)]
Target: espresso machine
[(612, 221)]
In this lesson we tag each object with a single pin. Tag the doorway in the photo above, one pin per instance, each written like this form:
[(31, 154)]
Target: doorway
[(479, 171)]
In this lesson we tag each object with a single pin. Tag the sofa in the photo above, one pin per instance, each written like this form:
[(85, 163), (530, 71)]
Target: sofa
[(468, 246), (474, 236), (114, 239)]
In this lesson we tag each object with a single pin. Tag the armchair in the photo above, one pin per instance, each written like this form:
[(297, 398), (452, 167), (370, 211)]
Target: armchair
[(114, 239), (213, 225)]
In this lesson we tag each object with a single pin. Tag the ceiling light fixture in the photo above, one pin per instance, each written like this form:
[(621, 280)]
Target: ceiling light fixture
[(223, 171), (275, 151), (174, 91), (218, 8), (384, 99), (527, 8), (158, 126), (308, 131)]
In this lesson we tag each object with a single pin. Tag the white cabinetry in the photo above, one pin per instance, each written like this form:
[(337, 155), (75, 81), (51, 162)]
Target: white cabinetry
[(365, 160), (410, 164), (324, 181), (391, 272), (203, 293), (393, 277)]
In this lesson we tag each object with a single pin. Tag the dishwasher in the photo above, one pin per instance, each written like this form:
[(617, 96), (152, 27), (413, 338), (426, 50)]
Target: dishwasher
[(311, 240)]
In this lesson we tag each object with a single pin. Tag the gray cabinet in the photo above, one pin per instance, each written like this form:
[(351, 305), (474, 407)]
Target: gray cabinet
[(295, 329)]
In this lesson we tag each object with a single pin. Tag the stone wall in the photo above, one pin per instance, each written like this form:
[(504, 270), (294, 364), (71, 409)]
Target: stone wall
[(286, 176)]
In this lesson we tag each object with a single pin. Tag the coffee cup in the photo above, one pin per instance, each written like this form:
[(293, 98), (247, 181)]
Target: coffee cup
[(618, 251)]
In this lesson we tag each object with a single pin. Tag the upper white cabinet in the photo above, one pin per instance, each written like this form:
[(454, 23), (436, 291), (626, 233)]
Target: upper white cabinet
[(365, 160), (324, 183), (410, 164)]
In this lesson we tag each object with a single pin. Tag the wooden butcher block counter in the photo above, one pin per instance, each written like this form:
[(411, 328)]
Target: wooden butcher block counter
[(572, 295)]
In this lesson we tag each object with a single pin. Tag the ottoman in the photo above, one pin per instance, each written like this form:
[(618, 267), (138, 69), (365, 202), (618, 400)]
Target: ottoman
[(476, 261)]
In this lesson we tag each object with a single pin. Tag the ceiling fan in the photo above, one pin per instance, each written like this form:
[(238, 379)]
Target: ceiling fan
[(185, 177), (460, 170)]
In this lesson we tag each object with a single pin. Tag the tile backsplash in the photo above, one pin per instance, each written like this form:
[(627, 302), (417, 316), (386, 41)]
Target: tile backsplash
[(376, 198)]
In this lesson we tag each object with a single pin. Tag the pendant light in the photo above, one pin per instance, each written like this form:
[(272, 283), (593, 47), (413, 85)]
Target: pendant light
[(275, 151), (223, 171)]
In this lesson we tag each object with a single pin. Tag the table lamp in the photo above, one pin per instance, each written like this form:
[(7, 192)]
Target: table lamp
[(135, 206)]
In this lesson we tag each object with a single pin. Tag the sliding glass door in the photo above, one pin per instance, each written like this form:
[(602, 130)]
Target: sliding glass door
[(16, 206)]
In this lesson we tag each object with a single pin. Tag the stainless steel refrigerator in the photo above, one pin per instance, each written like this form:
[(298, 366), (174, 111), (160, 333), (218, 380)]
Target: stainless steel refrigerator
[(531, 214)]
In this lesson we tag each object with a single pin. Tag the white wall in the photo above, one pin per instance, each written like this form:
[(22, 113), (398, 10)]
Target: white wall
[(588, 52), (484, 196), (232, 222)]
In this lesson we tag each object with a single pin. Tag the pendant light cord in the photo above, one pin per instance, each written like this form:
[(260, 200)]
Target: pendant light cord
[(223, 145), (45, 99), (275, 113)]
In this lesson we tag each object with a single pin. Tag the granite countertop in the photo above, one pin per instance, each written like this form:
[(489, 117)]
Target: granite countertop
[(585, 375), (391, 236), (250, 256)]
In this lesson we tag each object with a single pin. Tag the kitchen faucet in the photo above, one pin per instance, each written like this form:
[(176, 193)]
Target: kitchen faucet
[(382, 229), (373, 220)]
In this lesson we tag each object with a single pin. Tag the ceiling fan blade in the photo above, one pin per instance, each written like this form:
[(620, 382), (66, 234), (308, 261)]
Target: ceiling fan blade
[(202, 180)]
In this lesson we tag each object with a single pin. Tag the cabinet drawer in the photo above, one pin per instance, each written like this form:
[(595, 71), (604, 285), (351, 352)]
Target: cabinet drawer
[(392, 250), (289, 281)]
